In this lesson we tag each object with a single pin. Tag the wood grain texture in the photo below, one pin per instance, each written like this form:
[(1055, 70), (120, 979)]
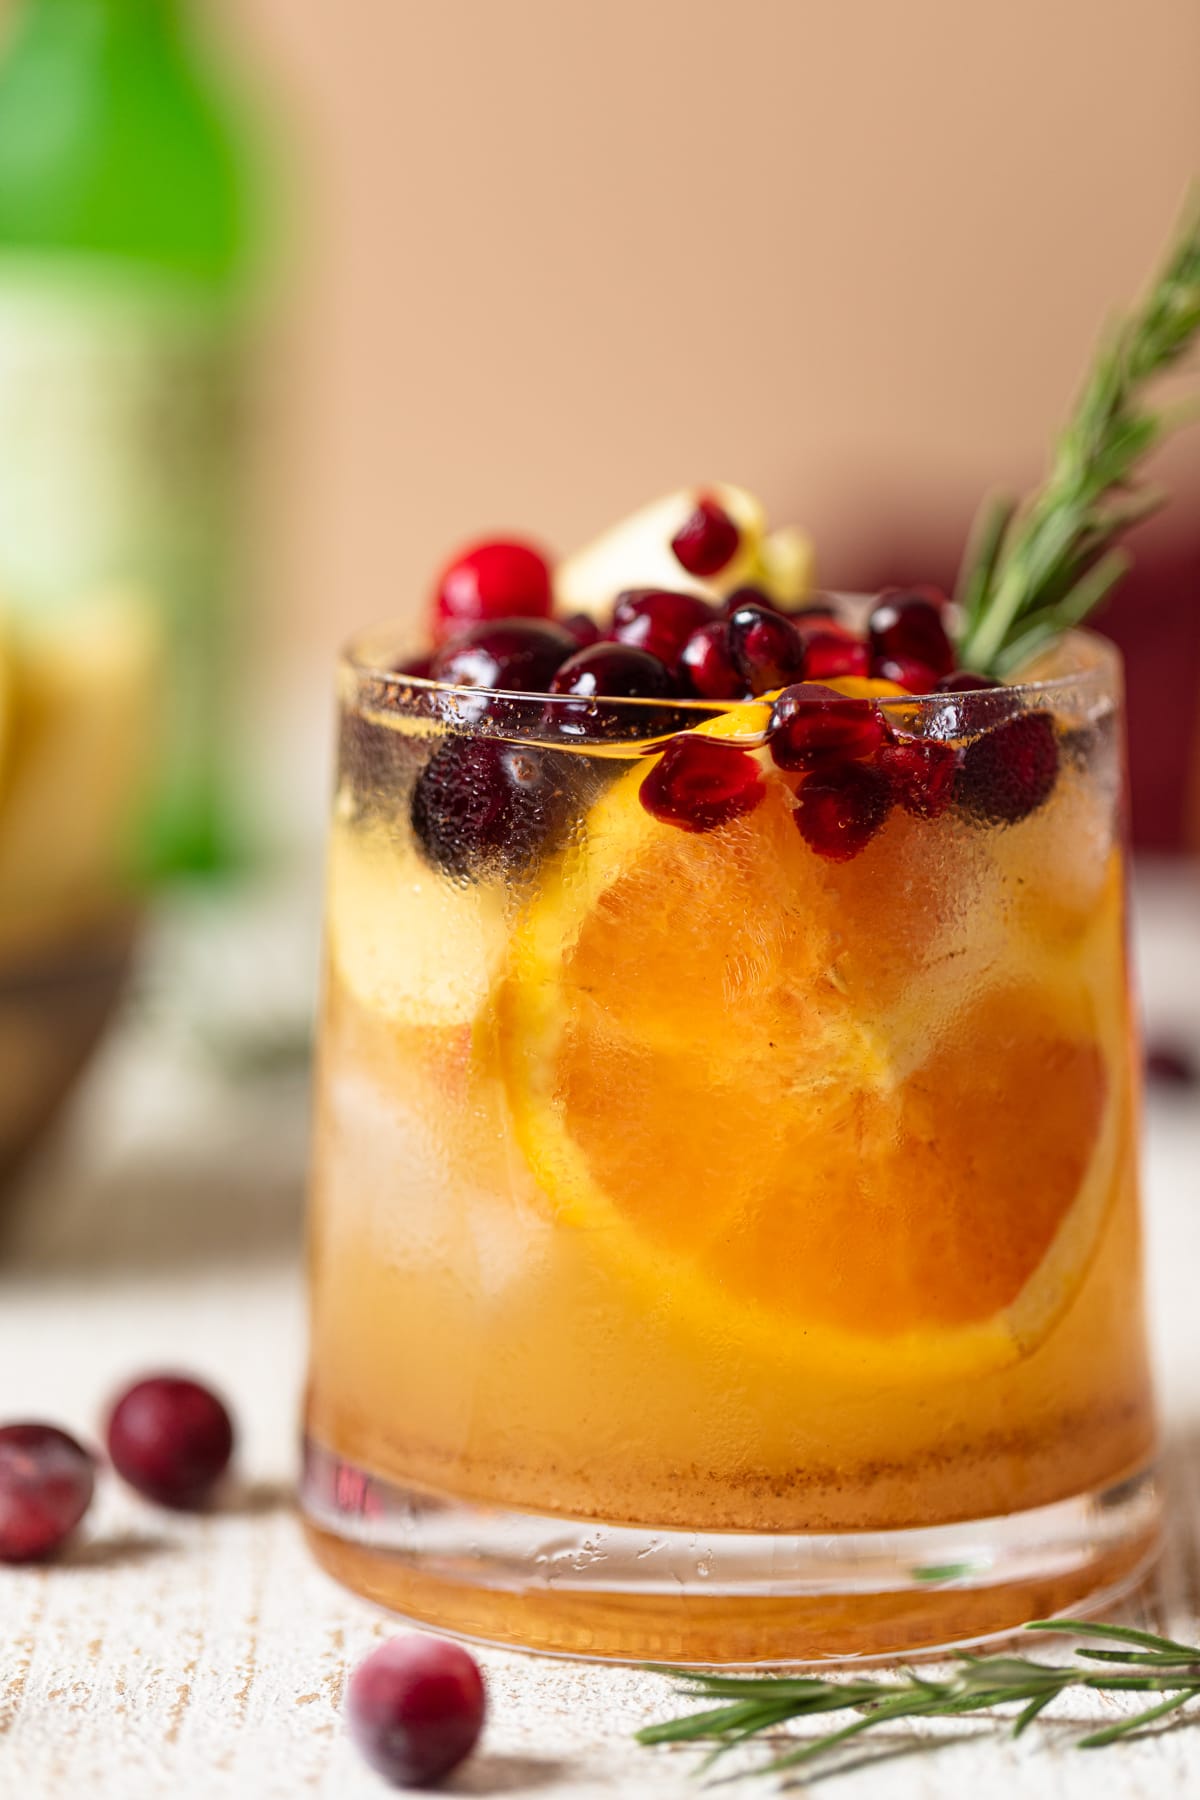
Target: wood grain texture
[(174, 1658)]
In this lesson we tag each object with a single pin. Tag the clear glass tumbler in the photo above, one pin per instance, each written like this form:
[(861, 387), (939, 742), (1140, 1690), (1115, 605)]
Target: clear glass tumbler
[(725, 1229)]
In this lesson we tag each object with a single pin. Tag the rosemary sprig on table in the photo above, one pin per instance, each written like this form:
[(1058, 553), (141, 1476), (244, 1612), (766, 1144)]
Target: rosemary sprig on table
[(1033, 571), (753, 1705)]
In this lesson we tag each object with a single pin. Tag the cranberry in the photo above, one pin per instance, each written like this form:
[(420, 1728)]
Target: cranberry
[(708, 539), (46, 1483), (583, 628), (707, 664), (415, 1708), (813, 727), (1170, 1065), (171, 1439), (617, 670), (908, 626), (921, 771), (830, 654), (699, 783), (961, 681), (419, 667), (503, 578), (839, 810), (518, 655), (1009, 771), (767, 650), (906, 672), (657, 620), (481, 803)]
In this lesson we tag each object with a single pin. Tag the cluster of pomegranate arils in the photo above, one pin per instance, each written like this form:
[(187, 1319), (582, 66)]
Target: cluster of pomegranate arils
[(852, 758), (414, 1706)]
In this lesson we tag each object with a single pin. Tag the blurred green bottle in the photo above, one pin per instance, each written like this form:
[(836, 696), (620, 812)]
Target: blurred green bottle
[(129, 241)]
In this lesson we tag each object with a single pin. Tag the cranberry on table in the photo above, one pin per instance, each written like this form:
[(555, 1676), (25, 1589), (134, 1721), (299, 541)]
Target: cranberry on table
[(658, 620), (812, 727), (707, 666), (46, 1484), (480, 803), (831, 654), (708, 539), (839, 810), (766, 648), (518, 656), (415, 1708), (1009, 771), (922, 773), (699, 783), (171, 1439), (501, 578), (909, 626)]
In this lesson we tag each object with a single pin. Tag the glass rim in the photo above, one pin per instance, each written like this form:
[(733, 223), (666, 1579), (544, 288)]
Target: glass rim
[(1082, 659)]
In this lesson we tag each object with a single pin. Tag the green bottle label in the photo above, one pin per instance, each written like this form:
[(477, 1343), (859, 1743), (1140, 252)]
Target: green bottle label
[(119, 465)]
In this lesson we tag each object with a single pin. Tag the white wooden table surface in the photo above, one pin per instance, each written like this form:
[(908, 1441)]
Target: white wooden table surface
[(204, 1658)]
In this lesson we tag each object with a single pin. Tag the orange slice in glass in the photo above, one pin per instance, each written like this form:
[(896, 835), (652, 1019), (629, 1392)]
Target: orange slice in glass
[(889, 1161)]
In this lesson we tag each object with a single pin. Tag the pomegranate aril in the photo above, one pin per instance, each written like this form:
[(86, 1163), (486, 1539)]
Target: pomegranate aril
[(908, 627), (1171, 1065), (707, 541), (583, 628), (415, 1708), (502, 578), (921, 772), (829, 655), (906, 672), (707, 664), (620, 672), (699, 783), (481, 804), (171, 1439), (748, 596), (46, 1484), (519, 656), (1009, 771), (839, 810), (813, 727), (658, 620), (766, 649), (961, 681)]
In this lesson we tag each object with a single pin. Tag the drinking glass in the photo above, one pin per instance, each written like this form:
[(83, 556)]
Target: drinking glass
[(725, 1235)]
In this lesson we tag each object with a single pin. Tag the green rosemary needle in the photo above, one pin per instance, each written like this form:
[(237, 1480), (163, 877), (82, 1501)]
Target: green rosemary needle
[(1033, 571), (751, 1706)]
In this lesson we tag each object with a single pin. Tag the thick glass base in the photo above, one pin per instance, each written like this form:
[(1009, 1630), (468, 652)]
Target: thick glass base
[(574, 1588)]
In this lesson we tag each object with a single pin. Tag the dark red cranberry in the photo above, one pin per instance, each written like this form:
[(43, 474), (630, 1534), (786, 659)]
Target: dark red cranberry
[(839, 810), (699, 783), (707, 664), (583, 628), (766, 648), (1171, 1065), (961, 681), (659, 621), (708, 539), (1009, 771), (908, 627), (813, 728), (906, 672), (171, 1438), (831, 654), (503, 578), (617, 671), (921, 771), (481, 804), (415, 1708), (46, 1483), (518, 656)]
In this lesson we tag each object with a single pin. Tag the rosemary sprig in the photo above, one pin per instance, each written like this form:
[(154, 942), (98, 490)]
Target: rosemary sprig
[(1033, 571), (752, 1705)]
